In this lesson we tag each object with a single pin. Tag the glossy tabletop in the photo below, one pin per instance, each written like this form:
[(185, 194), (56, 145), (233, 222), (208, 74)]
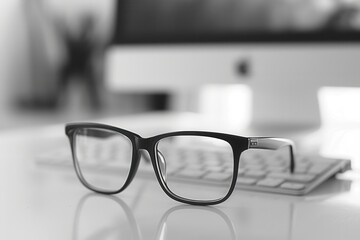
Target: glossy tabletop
[(42, 202)]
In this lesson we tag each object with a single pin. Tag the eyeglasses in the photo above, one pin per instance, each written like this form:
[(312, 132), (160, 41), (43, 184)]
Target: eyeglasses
[(106, 159)]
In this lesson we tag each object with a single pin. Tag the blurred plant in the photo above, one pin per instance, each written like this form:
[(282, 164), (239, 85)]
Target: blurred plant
[(61, 58), (82, 61)]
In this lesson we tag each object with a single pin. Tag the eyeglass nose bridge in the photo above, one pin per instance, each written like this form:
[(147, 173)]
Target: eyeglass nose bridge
[(144, 144), (148, 145)]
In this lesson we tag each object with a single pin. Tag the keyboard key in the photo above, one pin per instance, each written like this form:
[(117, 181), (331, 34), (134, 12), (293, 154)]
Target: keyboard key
[(229, 170), (211, 162), (253, 167), (293, 177), (194, 166), (213, 168), (246, 181), (175, 164), (304, 178), (277, 169), (173, 171), (191, 173), (241, 172), (275, 163), (270, 182), (293, 186), (317, 169), (278, 175), (302, 159), (302, 164), (322, 160), (216, 176), (248, 160), (301, 170), (255, 173)]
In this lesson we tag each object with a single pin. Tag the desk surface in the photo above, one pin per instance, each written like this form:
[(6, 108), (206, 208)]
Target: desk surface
[(39, 202)]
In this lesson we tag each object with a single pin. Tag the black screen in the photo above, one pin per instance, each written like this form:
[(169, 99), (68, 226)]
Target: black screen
[(192, 21)]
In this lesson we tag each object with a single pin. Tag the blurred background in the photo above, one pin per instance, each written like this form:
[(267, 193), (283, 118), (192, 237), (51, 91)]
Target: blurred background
[(54, 64), (51, 63)]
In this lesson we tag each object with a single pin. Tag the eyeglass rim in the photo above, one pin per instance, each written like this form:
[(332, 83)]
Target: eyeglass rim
[(136, 139), (238, 144)]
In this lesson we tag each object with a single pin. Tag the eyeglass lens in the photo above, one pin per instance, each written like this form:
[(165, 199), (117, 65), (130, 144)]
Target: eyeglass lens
[(103, 158), (196, 167)]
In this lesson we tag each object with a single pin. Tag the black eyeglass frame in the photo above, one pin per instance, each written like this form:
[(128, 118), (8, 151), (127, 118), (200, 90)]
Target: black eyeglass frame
[(238, 144)]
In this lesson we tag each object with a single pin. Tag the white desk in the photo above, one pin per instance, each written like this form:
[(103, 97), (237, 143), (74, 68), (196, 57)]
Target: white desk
[(38, 202)]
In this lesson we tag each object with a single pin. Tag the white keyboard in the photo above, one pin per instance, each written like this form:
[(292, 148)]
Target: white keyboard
[(260, 170)]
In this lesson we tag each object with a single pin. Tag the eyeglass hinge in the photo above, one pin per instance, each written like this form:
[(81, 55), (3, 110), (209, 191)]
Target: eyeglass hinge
[(253, 143)]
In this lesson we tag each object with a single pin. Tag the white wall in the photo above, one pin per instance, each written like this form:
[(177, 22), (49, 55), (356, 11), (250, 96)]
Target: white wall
[(10, 44)]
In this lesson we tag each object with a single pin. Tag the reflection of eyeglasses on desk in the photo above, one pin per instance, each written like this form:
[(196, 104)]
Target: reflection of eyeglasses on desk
[(109, 147), (201, 217), (97, 217), (118, 221), (111, 226)]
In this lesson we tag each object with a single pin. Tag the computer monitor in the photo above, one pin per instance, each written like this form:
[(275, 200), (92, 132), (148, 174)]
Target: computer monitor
[(284, 50)]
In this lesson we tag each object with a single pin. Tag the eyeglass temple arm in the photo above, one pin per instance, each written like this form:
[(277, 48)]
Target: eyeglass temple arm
[(274, 144)]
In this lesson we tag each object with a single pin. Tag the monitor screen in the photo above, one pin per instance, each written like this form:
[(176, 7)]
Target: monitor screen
[(182, 21)]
